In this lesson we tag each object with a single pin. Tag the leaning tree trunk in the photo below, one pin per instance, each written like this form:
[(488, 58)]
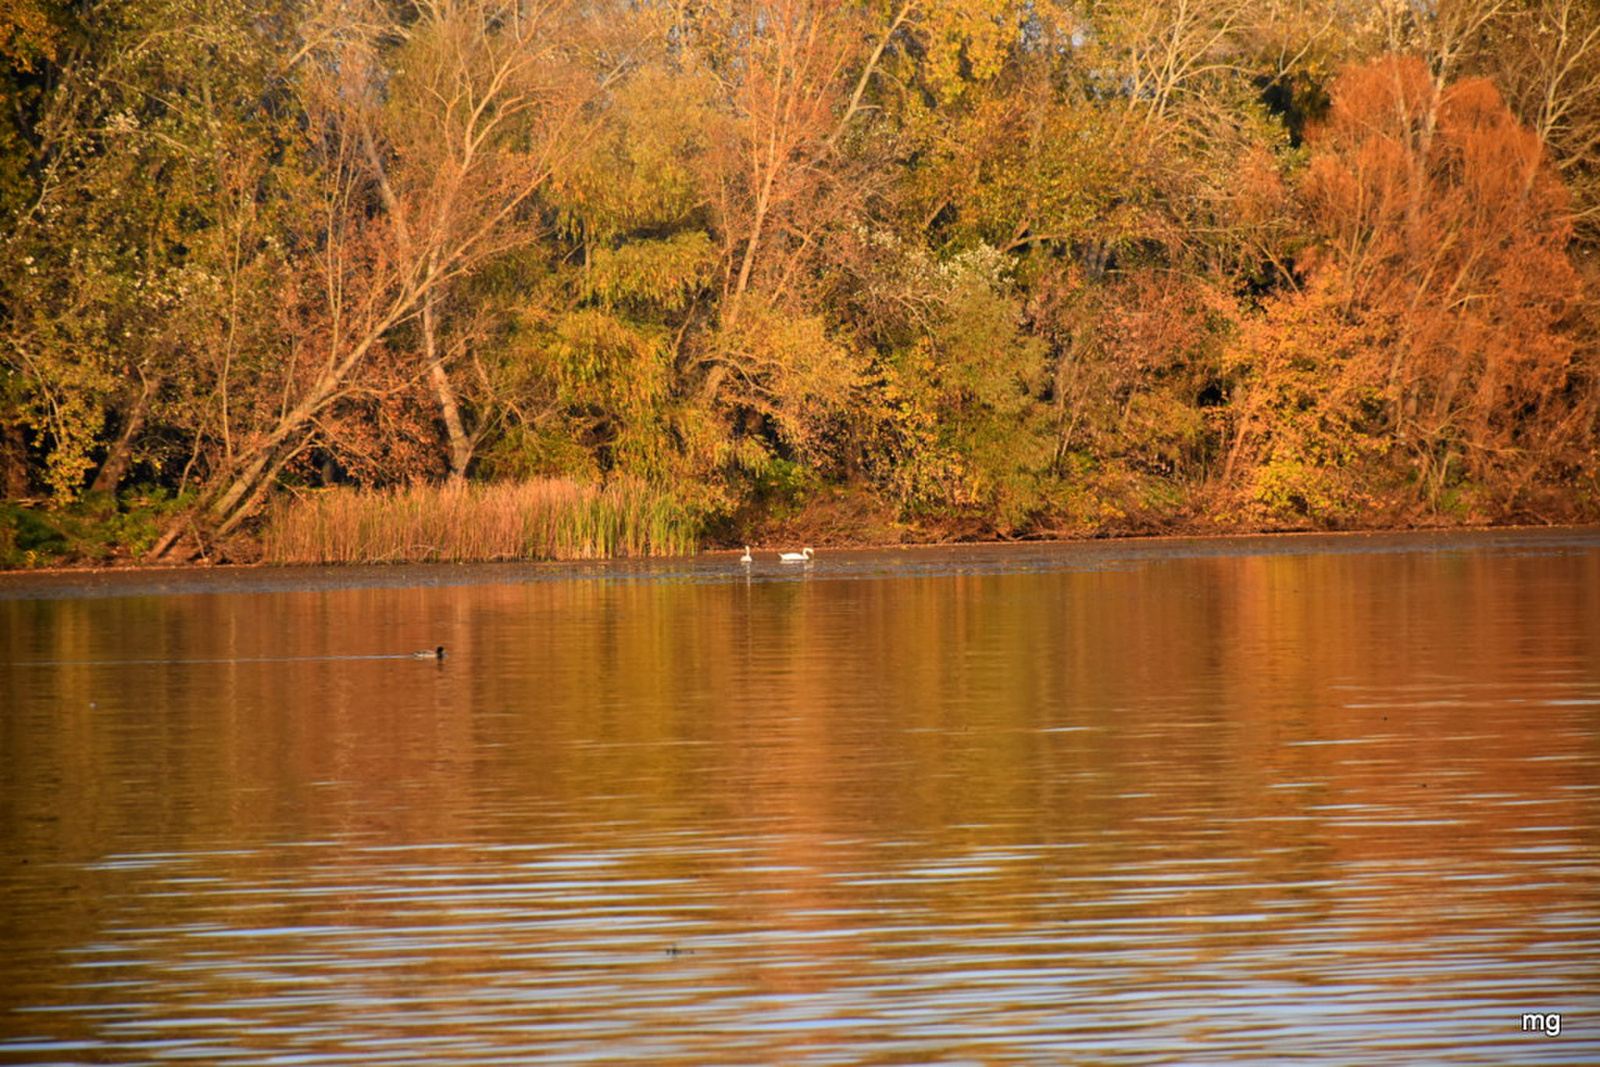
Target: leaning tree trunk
[(234, 491), (120, 456)]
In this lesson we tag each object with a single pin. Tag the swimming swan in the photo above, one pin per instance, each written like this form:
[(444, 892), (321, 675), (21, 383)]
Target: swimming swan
[(746, 558), (805, 555), (429, 653)]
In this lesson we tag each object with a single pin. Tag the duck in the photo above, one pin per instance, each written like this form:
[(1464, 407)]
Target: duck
[(805, 555), (429, 653), (747, 557)]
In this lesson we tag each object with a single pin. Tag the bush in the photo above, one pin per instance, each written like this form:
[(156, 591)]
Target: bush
[(96, 528)]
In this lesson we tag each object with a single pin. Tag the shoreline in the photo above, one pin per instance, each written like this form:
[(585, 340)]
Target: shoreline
[(16, 575)]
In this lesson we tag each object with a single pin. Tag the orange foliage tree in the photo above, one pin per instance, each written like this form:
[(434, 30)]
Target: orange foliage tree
[(1448, 233)]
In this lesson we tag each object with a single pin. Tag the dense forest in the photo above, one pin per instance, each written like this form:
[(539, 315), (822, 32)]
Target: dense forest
[(854, 269)]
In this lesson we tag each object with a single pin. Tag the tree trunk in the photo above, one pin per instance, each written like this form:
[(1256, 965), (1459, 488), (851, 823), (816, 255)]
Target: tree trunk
[(120, 456), (222, 508), (459, 442), (13, 461)]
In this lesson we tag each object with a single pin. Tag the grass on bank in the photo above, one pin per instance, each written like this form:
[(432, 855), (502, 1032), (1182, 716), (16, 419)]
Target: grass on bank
[(550, 519)]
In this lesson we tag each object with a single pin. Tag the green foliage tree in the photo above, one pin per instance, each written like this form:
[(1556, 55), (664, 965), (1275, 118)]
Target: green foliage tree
[(154, 115), (407, 184)]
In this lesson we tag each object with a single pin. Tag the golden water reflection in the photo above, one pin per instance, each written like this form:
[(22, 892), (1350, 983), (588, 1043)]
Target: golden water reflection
[(1069, 804)]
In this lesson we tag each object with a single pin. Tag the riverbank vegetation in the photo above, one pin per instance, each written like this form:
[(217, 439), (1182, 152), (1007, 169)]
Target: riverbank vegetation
[(339, 278), (545, 519)]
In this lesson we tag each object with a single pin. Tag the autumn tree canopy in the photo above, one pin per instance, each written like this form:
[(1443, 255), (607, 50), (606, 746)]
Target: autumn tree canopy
[(984, 266)]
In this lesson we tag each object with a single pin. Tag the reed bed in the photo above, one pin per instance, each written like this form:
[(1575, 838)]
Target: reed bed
[(550, 519)]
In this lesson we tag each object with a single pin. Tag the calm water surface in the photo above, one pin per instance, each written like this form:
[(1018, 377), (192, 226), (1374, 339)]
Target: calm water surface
[(1328, 799)]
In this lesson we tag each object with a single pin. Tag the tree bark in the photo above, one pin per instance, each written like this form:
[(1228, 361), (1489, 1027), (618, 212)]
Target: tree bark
[(120, 456), (13, 461), (458, 441)]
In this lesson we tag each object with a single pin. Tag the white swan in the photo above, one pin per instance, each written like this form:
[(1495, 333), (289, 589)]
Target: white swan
[(746, 558), (805, 555)]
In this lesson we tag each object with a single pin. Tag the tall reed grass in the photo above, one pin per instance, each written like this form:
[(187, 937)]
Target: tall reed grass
[(549, 519)]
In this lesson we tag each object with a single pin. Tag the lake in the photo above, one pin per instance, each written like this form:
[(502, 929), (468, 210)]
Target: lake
[(1330, 799)]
